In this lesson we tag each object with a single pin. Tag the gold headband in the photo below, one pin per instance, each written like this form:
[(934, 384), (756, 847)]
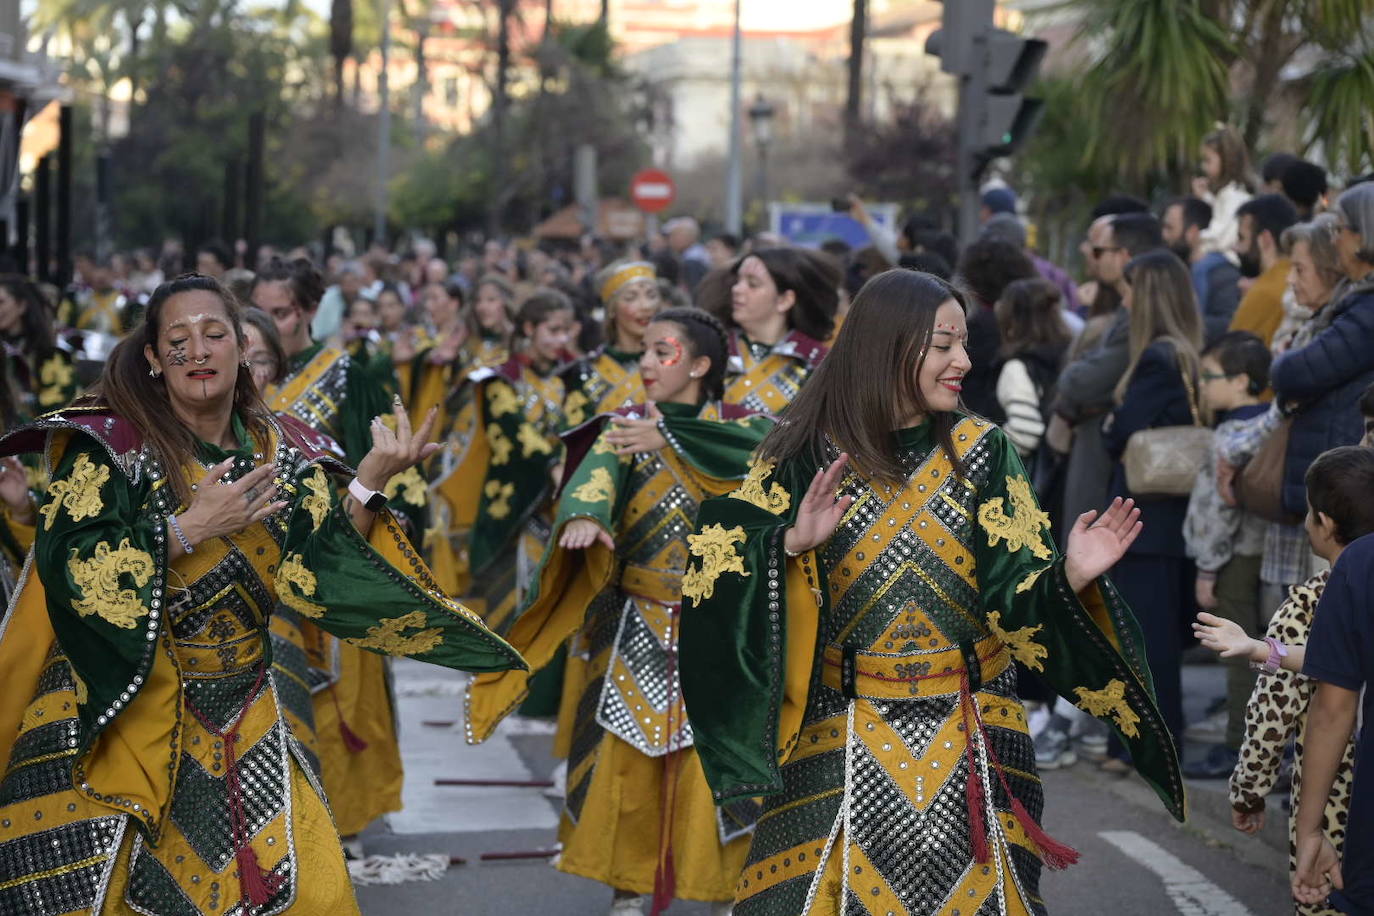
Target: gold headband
[(639, 270)]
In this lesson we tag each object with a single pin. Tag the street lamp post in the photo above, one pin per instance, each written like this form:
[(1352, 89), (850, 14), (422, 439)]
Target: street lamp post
[(733, 208), (761, 121)]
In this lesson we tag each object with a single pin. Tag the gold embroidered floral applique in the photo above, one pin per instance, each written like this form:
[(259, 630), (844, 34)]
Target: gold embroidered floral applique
[(387, 635), (1023, 646), (316, 502), (599, 488), (776, 499), (498, 498), (575, 408), (291, 572), (410, 485), (1110, 701), (56, 377), (500, 445), (97, 579), (78, 492), (715, 544), (501, 400), (532, 442), (1028, 583), (1022, 528)]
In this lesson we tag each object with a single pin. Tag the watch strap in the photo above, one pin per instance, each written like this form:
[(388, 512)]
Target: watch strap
[(374, 500)]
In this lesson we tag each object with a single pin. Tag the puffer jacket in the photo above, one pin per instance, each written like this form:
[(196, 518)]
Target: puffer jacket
[(1320, 385)]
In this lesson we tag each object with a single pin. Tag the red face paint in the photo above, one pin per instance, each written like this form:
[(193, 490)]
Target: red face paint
[(677, 351)]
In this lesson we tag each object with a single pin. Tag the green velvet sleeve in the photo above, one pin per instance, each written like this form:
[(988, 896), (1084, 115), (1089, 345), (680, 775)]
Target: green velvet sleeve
[(375, 592), (517, 479), (1087, 646), (368, 389), (102, 566), (596, 489), (716, 448), (733, 643)]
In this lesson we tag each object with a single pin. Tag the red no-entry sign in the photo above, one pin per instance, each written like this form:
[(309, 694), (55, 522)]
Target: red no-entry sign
[(652, 190)]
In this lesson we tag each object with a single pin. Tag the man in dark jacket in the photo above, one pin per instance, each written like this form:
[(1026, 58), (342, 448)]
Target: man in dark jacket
[(1216, 280), (1085, 390)]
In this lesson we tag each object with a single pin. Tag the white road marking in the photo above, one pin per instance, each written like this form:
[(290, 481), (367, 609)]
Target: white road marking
[(1188, 888), (429, 753)]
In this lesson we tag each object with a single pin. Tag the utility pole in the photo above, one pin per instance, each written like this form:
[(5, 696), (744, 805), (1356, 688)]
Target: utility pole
[(383, 131), (734, 204)]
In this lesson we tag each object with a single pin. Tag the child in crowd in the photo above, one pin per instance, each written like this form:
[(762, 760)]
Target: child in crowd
[(1226, 542), (1339, 514)]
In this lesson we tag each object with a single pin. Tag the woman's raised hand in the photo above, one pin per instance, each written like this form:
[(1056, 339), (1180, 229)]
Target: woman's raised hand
[(393, 452), (581, 533), (631, 437), (820, 510), (1095, 546), (219, 509), (14, 490)]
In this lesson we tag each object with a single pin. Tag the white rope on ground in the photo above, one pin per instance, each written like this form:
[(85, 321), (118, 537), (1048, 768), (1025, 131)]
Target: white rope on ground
[(398, 869), (446, 688)]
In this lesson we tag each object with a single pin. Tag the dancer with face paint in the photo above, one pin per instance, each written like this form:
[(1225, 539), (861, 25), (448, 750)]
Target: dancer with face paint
[(639, 816), (148, 766), (853, 613)]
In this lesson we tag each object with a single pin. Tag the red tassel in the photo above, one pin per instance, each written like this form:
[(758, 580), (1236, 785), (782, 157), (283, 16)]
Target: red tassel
[(1053, 853), (350, 738), (665, 885), (257, 887)]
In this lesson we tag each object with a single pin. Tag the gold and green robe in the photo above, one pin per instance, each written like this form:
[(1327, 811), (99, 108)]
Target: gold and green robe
[(844, 684), (765, 379), (491, 502), (150, 767), (425, 384), (602, 381), (636, 794), (351, 723)]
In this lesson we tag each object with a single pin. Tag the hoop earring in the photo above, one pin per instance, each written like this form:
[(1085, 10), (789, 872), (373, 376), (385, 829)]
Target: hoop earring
[(155, 373)]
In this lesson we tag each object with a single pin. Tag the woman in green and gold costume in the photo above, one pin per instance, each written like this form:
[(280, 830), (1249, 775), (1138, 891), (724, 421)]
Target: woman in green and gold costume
[(782, 305), (149, 767), (639, 816), (493, 500), (850, 617), (41, 374), (466, 337), (338, 393), (608, 378)]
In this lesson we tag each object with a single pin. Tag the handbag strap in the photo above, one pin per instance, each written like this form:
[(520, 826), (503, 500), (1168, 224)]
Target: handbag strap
[(1192, 394)]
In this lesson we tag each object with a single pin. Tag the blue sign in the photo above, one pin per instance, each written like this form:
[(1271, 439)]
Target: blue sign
[(810, 224)]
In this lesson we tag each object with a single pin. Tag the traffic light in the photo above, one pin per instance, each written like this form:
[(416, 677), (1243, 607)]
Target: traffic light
[(994, 67)]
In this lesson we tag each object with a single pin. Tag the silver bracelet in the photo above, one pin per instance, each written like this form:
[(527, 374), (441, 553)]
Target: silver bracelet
[(181, 535)]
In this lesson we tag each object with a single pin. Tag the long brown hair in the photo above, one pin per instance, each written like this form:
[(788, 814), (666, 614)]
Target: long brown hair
[(137, 397), (1235, 158), (1029, 315), (812, 277), (868, 381), (1163, 307)]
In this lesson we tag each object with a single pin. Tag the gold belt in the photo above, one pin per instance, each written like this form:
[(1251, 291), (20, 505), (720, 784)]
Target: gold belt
[(900, 677)]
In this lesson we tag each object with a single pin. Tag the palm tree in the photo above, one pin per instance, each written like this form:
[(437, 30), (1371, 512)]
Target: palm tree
[(1162, 72)]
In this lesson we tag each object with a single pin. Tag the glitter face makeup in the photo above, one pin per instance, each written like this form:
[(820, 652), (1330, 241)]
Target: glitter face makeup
[(678, 352)]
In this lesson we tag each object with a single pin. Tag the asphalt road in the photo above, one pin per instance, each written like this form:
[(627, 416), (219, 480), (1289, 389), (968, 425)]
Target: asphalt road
[(1135, 859)]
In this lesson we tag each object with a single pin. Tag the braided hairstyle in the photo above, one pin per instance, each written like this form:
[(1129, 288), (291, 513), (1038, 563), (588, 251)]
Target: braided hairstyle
[(706, 336)]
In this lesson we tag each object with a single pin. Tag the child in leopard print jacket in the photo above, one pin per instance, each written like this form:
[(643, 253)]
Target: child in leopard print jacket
[(1339, 511)]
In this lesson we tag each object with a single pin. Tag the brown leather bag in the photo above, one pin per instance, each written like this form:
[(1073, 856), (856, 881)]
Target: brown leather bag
[(1164, 461), (1259, 485)]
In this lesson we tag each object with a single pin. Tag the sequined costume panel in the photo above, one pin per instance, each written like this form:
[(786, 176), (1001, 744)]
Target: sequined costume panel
[(765, 379)]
